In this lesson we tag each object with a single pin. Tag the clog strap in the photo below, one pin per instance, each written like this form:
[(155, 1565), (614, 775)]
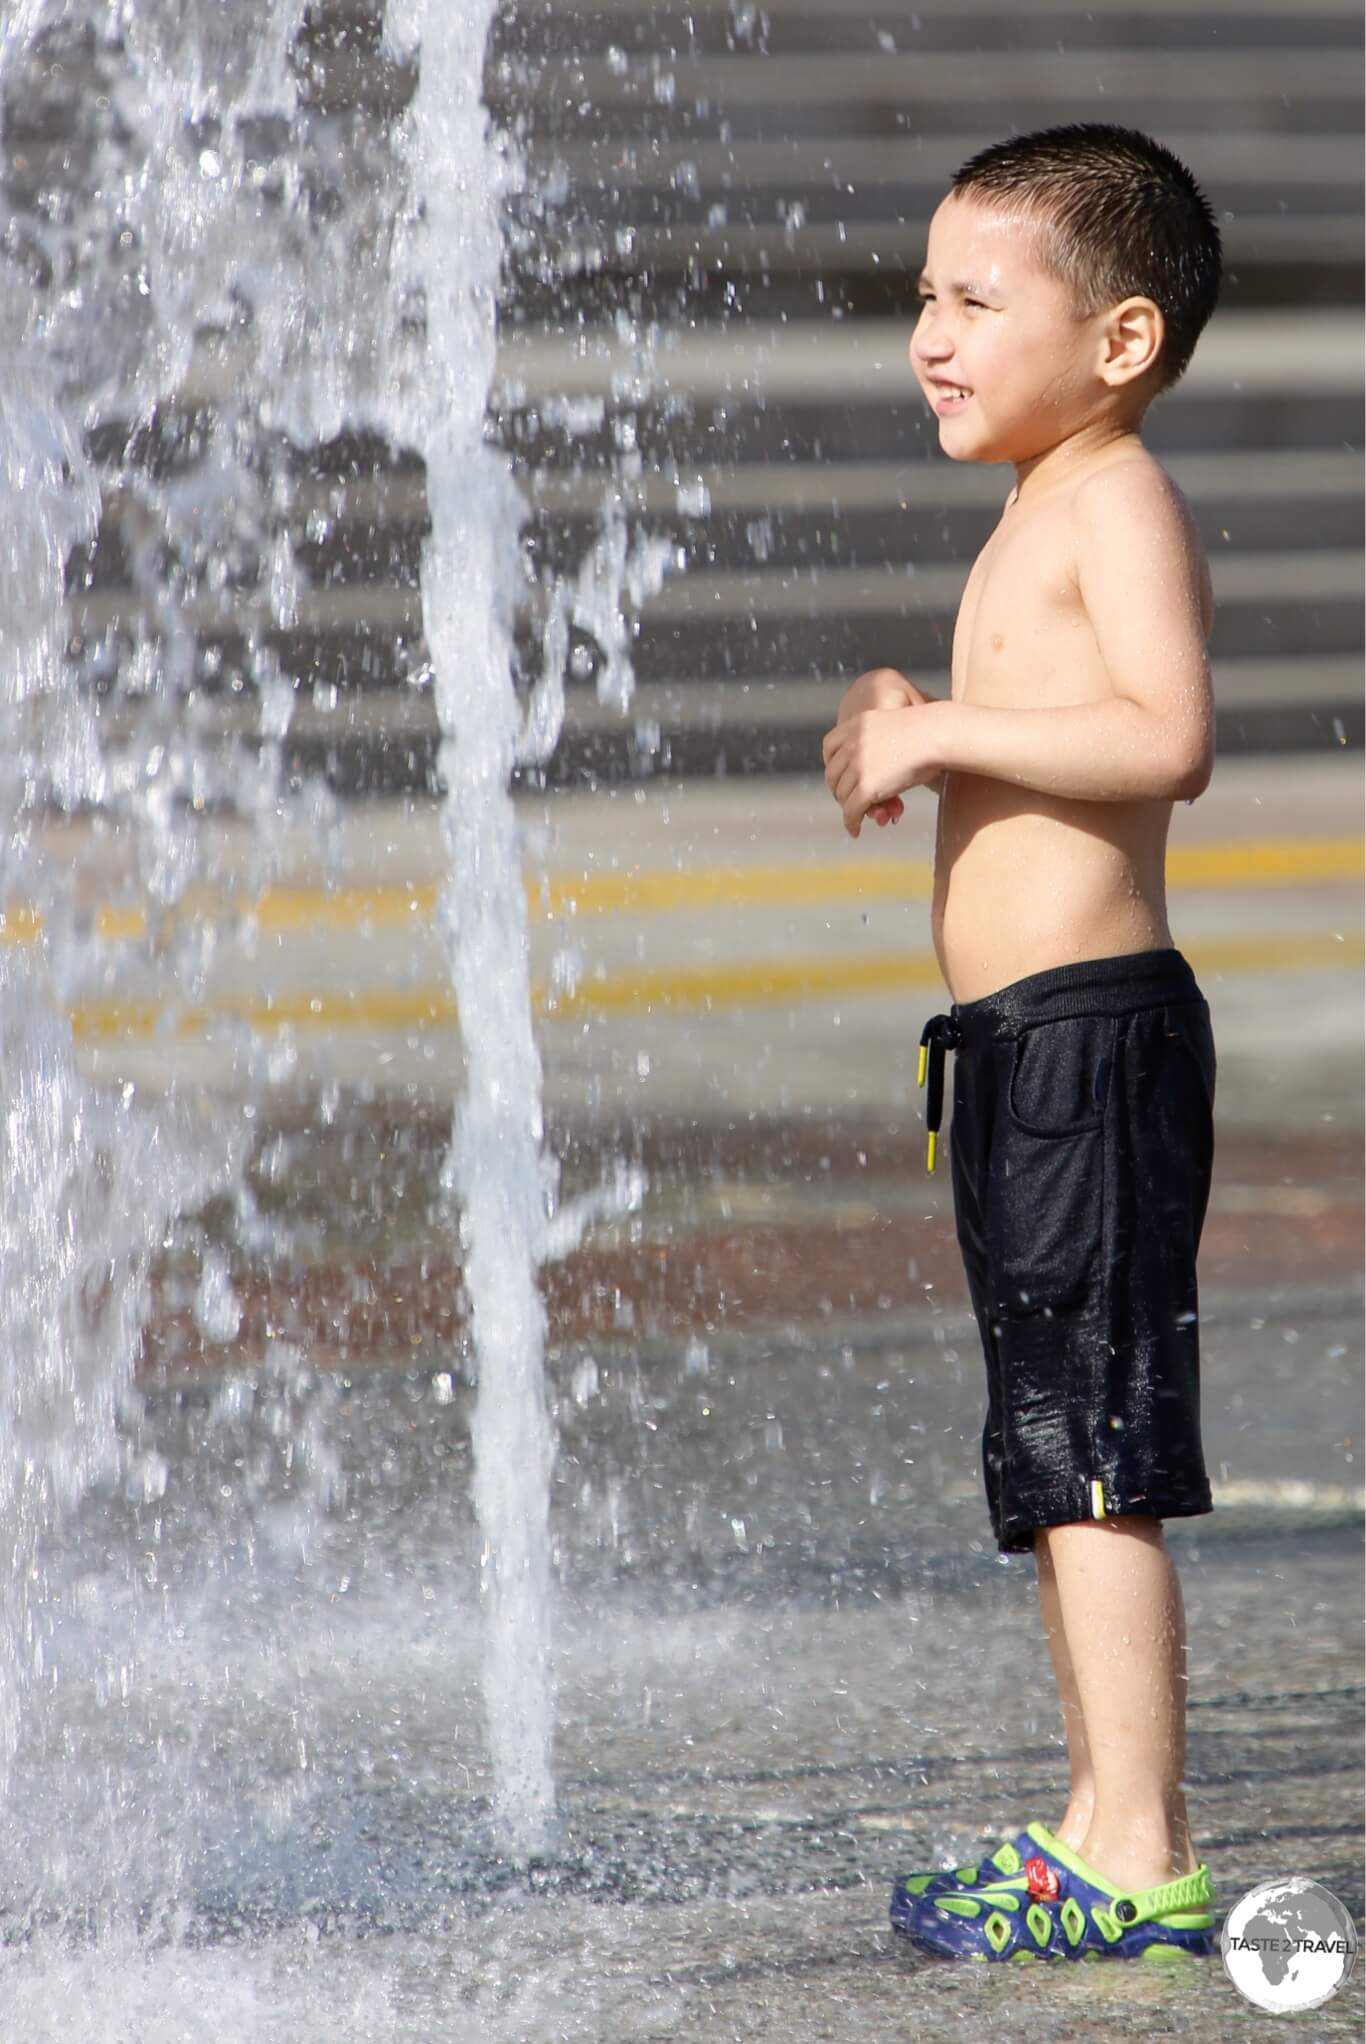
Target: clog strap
[(1190, 1893)]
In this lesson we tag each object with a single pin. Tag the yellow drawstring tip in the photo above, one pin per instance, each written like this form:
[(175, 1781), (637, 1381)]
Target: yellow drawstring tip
[(1097, 1498), (924, 1064), (930, 1148)]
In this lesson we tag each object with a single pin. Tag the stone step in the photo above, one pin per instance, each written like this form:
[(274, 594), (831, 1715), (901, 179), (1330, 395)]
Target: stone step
[(908, 89), (794, 460), (368, 746), (1286, 163), (1246, 476), (733, 24), (919, 91), (560, 385), (826, 515), (625, 239), (848, 619), (1322, 683), (794, 467), (720, 28), (842, 428), (739, 625), (866, 360)]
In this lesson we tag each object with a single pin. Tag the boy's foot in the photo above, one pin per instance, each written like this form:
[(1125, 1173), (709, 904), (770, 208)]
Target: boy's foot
[(1057, 1907), (912, 1890)]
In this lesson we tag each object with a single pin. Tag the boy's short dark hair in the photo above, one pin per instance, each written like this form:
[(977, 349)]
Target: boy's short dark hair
[(1122, 217)]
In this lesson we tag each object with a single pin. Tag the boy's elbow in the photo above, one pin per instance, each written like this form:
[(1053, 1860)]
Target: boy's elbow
[(1191, 770), (1181, 754)]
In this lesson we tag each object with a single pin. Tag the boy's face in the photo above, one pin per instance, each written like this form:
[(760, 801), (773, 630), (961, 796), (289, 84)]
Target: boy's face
[(994, 322)]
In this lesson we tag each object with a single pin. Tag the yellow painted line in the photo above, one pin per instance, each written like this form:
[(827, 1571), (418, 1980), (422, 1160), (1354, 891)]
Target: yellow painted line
[(117, 925), (122, 1021), (698, 989), (743, 986), (653, 891), (286, 909), (1314, 951), (282, 911), (1268, 862)]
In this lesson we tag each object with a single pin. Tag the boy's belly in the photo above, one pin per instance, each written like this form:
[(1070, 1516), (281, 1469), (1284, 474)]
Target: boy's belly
[(1024, 882)]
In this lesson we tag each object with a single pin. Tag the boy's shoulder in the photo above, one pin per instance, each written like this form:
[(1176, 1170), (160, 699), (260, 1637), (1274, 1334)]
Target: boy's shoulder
[(1109, 500), (1133, 477), (1132, 488), (1131, 509)]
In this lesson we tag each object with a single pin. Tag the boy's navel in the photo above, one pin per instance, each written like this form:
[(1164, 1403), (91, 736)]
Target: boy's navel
[(998, 640)]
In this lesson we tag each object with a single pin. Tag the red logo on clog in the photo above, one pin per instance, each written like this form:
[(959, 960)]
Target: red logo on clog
[(1042, 1880)]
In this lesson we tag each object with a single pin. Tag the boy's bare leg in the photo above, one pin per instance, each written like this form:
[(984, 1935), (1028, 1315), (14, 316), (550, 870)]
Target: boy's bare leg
[(1076, 1818), (1124, 1623)]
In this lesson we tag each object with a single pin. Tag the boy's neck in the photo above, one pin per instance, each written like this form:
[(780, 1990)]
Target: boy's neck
[(1079, 450)]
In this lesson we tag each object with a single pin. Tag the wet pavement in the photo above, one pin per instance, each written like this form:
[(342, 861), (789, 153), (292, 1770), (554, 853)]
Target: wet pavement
[(789, 1663)]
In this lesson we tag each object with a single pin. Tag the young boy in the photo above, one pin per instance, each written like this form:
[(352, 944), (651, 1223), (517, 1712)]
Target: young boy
[(1068, 276)]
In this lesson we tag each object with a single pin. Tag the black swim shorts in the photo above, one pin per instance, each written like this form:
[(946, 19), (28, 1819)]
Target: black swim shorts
[(1082, 1141)]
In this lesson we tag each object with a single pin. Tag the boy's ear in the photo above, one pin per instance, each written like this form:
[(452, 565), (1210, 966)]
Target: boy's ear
[(1131, 341)]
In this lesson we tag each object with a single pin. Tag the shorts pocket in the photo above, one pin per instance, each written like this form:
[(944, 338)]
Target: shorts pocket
[(1045, 1225), (1186, 1028), (1061, 1073), (1178, 1113)]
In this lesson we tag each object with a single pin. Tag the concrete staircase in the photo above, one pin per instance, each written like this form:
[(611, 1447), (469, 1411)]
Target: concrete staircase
[(751, 187)]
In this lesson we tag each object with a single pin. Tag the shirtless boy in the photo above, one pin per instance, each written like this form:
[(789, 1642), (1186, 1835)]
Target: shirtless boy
[(1067, 278)]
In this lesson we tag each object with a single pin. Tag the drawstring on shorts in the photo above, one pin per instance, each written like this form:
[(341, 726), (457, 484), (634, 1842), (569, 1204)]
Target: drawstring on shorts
[(940, 1033)]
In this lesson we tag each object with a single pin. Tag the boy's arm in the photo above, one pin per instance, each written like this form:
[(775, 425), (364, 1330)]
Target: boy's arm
[(881, 688), (1140, 574)]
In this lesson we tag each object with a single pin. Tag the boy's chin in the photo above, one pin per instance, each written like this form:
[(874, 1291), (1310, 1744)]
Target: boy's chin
[(961, 448)]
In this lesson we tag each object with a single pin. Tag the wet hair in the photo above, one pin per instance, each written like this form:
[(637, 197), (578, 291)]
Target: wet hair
[(1121, 217)]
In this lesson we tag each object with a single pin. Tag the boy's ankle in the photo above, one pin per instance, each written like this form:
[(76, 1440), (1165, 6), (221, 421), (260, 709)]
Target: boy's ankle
[(1133, 1864), (1074, 1824)]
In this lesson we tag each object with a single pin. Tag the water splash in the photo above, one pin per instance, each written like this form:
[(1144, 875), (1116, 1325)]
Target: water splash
[(92, 1178), (225, 277), (495, 1168)]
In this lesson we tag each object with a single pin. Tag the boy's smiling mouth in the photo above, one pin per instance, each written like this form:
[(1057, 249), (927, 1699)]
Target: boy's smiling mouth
[(949, 397)]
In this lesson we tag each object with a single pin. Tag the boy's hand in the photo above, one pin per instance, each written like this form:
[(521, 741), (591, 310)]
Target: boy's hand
[(872, 756), (881, 688), (884, 813)]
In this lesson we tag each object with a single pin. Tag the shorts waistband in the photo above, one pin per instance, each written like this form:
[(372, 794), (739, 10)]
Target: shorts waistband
[(1091, 986)]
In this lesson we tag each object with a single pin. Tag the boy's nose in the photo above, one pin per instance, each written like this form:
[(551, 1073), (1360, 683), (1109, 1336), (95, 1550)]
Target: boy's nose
[(928, 359)]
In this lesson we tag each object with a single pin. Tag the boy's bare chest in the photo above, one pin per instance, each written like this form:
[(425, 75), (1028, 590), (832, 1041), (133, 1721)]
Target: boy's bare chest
[(1022, 634)]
